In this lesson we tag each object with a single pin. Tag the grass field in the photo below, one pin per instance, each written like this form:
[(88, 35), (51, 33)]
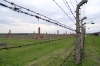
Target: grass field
[(18, 42), (43, 54), (92, 51)]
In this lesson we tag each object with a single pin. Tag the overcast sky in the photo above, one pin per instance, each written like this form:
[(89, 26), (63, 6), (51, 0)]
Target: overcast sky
[(21, 23)]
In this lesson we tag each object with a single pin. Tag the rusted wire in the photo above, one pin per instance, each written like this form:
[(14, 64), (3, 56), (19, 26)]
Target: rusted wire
[(60, 55), (38, 17), (32, 44)]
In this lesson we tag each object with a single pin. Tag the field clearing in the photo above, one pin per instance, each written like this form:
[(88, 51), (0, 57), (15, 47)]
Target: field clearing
[(92, 51), (18, 42), (24, 55), (43, 54)]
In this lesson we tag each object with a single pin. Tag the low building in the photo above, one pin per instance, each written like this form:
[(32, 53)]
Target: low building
[(98, 33)]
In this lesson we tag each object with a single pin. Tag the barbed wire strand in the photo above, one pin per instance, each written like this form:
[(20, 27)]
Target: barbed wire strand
[(43, 16), (72, 6), (71, 53), (67, 57), (29, 10), (33, 43), (60, 54), (64, 11), (38, 17), (67, 5)]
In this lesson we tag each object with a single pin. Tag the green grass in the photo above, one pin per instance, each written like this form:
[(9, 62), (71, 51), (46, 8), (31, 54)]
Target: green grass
[(43, 54), (92, 51), (18, 42), (25, 55)]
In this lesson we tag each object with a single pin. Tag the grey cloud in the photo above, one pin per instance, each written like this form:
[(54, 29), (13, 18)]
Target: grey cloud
[(50, 10)]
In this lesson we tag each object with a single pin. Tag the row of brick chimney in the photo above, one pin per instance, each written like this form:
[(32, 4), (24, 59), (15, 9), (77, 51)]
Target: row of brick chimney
[(39, 34)]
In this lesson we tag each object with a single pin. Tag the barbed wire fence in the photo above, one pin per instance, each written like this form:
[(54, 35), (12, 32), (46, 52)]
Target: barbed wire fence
[(61, 54), (48, 41), (78, 52), (73, 50)]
